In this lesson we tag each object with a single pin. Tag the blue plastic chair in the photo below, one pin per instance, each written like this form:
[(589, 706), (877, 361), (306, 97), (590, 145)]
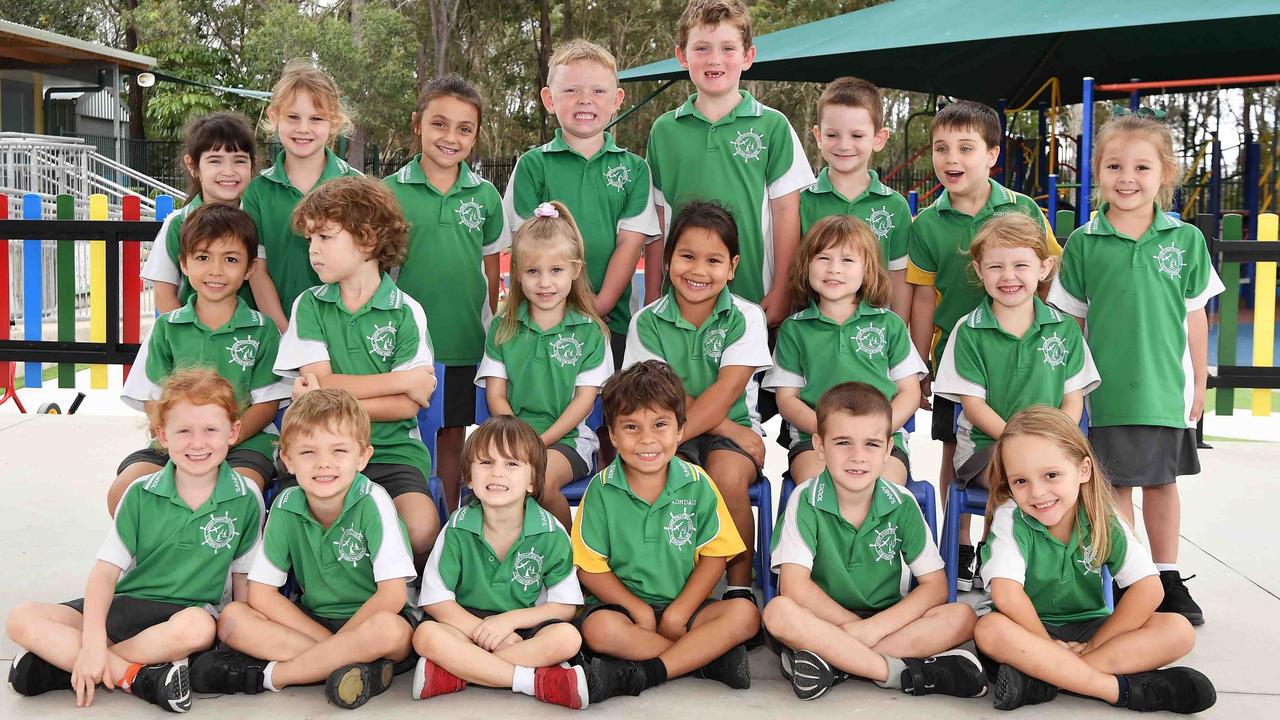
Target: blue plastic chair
[(430, 420)]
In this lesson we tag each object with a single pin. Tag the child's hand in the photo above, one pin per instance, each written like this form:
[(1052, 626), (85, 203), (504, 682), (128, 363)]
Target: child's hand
[(643, 617), (493, 631), (422, 382), (673, 623), (1197, 404), (90, 669), (926, 385), (748, 440), (304, 384), (776, 306), (864, 632)]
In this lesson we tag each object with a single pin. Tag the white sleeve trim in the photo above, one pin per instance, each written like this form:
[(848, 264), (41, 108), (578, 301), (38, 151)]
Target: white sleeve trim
[(778, 376), (636, 352), (113, 549), (261, 569), (1006, 560), (490, 367), (433, 587), (1088, 378), (898, 264), (596, 376), (245, 562), (1137, 559), (1212, 288), (929, 560), (910, 365), (646, 223), (1065, 301), (393, 559), (567, 591), (948, 383), (294, 352), (138, 388), (160, 267), (279, 390), (799, 175), (791, 547), (660, 201), (752, 349), (422, 355), (513, 218)]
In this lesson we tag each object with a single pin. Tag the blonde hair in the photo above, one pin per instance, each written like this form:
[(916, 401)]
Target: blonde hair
[(335, 410), (1148, 128), (581, 50), (1014, 230), (302, 75), (510, 437), (1055, 426), (195, 386), (833, 231), (546, 235), (713, 12)]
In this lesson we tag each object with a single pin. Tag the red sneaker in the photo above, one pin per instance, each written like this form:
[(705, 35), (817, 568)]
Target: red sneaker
[(430, 680), (561, 686)]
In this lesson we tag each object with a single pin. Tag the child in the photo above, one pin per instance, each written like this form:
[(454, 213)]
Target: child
[(337, 533), (1133, 261), (650, 541), (359, 333), (607, 189), (306, 113), (849, 132), (501, 584), (715, 342), (456, 231), (844, 332), (847, 547), (966, 144), (547, 353), (722, 143), (1042, 560), (214, 328), (220, 156), (134, 631)]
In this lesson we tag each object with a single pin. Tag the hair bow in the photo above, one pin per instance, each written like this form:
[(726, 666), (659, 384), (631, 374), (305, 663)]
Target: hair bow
[(546, 210), (1154, 114)]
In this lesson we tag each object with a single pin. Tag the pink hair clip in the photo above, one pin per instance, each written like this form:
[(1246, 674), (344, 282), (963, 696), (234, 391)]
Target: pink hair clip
[(546, 210)]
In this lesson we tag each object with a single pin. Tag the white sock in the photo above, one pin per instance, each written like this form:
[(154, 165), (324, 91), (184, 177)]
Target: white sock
[(266, 677), (522, 680), (730, 588), (1167, 567), (894, 680)]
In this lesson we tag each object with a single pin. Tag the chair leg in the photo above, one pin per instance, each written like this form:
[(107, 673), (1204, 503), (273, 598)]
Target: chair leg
[(764, 539), (952, 516)]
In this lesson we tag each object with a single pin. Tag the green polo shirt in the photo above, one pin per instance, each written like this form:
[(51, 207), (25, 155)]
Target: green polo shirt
[(339, 567), (815, 353), (862, 568), (387, 334), (537, 569), (1061, 579), (449, 235), (543, 369), (938, 254), (743, 160), (652, 549), (1145, 288), (1010, 373), (243, 352), (881, 208), (172, 553), (607, 193), (734, 334), (270, 200)]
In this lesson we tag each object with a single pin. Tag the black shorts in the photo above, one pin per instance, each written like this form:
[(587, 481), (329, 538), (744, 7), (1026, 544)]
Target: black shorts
[(409, 615), (696, 450), (1078, 632), (236, 458), (577, 464), (129, 616), (524, 633), (807, 445), (618, 348), (972, 470), (459, 395), (944, 419), (658, 609), (1145, 455), (395, 478)]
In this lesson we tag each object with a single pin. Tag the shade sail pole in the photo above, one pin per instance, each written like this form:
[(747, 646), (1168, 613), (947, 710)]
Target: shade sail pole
[(643, 101), (1086, 154)]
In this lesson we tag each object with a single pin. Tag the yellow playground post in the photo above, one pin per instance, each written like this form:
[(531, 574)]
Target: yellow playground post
[(1264, 311), (98, 291)]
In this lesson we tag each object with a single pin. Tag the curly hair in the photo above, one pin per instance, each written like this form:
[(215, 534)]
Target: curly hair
[(363, 207)]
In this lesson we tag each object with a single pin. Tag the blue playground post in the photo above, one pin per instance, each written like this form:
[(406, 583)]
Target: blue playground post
[(32, 295), (1053, 195), (164, 206), (1042, 148), (1135, 98), (913, 202), (1086, 153)]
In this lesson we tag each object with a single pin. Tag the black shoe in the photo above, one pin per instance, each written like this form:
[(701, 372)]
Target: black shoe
[(732, 668), (811, 676), (749, 595), (165, 684), (32, 675), (1013, 690), (227, 672), (351, 686), (954, 672), (964, 568), (1177, 599), (1178, 689), (786, 658), (608, 677)]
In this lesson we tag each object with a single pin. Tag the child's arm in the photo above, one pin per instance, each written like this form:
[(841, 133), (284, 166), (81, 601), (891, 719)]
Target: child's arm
[(277, 608), (796, 582), (930, 591), (924, 301), (607, 588), (258, 417), (983, 417), (383, 408), (798, 413), (493, 273), (454, 615), (711, 408), (1072, 405), (653, 270), (905, 402), (786, 238), (1198, 344), (240, 587), (1135, 608), (166, 295), (621, 269), (265, 295), (1011, 600), (584, 400), (91, 666), (495, 394), (390, 596), (492, 632), (901, 295), (706, 573)]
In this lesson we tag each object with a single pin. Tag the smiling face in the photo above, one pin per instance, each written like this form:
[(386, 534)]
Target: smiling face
[(499, 481), (217, 270), (836, 273), (584, 96), (334, 253), (1130, 173), (1011, 275), (854, 449), (325, 460), (700, 266), (197, 437), (716, 57), (546, 279), (448, 128), (646, 439), (961, 160), (1044, 481), (223, 174), (847, 138), (303, 127)]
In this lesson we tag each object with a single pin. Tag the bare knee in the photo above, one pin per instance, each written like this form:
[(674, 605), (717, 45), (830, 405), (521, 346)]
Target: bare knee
[(1177, 629), (959, 619), (991, 633), (193, 629), (742, 614), (19, 622), (780, 616), (386, 633), (428, 637), (231, 617), (602, 625), (422, 526), (564, 638)]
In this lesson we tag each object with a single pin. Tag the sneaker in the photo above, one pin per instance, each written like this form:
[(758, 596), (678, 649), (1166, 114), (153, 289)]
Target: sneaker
[(226, 672), (608, 677), (787, 659), (165, 684), (430, 680), (955, 672), (732, 668), (1013, 690), (562, 686), (351, 686), (811, 676), (964, 569), (1178, 689), (748, 594), (1177, 599), (32, 675)]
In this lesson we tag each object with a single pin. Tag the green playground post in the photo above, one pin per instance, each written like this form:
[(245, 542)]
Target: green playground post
[(1229, 312), (66, 292), (1063, 224)]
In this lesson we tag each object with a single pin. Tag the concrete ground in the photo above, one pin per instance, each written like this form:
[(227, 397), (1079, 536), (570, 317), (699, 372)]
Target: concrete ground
[(56, 470)]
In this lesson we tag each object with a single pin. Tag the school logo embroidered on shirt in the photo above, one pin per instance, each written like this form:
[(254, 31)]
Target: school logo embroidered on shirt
[(1169, 260), (713, 343), (351, 546), (1086, 561), (1055, 351), (566, 350), (528, 569), (471, 214), (219, 532), (679, 528), (617, 177), (886, 543), (383, 341), (748, 145), (880, 222), (243, 352), (870, 340)]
